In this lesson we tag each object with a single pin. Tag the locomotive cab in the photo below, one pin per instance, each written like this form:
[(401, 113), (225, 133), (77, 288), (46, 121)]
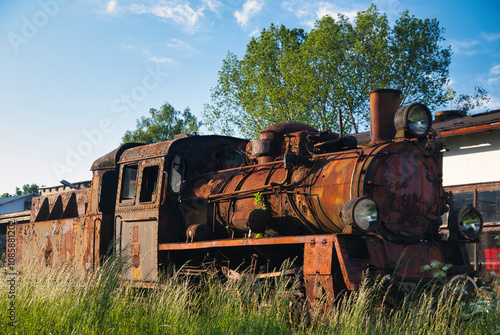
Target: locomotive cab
[(150, 186)]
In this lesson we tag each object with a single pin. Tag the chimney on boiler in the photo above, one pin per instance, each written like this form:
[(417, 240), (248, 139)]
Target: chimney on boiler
[(383, 106)]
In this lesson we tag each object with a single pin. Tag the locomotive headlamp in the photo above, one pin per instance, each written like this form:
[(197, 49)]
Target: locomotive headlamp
[(363, 213), (465, 223), (412, 121)]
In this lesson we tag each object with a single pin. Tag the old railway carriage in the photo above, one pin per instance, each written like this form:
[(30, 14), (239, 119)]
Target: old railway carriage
[(335, 207)]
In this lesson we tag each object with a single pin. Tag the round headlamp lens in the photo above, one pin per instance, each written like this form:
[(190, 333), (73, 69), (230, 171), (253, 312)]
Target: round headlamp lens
[(418, 120), (465, 223), (470, 223), (414, 120), (363, 213)]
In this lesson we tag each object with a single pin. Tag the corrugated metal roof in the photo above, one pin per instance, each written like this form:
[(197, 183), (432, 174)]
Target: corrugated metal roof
[(468, 124)]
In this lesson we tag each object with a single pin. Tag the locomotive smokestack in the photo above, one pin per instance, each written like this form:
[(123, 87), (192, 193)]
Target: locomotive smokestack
[(383, 106)]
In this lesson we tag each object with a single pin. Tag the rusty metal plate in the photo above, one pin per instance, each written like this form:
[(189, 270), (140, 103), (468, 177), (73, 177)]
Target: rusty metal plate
[(139, 243), (318, 254), (56, 242), (381, 257)]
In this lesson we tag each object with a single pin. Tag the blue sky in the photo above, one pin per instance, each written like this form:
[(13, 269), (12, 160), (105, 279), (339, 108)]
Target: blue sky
[(76, 74)]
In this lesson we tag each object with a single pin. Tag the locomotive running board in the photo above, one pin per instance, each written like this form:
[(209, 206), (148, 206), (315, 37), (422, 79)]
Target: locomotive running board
[(239, 242)]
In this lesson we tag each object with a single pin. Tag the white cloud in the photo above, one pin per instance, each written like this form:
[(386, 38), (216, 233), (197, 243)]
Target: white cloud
[(310, 12), (326, 8), (494, 75), (138, 9), (163, 60), (494, 102), (178, 44), (212, 5), (495, 70), (255, 32), (146, 53), (464, 47), (111, 7), (180, 12), (490, 36), (250, 9)]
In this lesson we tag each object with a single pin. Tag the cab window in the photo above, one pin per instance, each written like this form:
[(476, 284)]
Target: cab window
[(149, 184), (177, 174), (129, 182)]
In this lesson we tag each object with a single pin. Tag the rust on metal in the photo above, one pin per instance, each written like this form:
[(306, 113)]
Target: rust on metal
[(198, 232), (382, 257), (136, 248), (226, 243), (383, 105), (247, 220), (458, 122), (110, 160), (474, 129), (193, 200)]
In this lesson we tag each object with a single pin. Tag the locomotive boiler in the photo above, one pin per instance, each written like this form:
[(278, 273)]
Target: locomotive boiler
[(335, 207)]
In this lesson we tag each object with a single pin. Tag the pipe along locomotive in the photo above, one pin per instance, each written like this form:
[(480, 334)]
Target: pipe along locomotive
[(336, 207)]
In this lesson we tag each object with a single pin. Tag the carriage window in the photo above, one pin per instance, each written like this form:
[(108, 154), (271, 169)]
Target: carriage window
[(488, 203), (177, 174), (462, 199), (149, 184), (129, 181)]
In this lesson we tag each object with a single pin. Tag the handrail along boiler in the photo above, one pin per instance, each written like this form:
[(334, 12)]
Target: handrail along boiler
[(336, 207)]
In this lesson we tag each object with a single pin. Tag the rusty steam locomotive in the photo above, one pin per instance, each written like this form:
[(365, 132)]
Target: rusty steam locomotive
[(334, 206)]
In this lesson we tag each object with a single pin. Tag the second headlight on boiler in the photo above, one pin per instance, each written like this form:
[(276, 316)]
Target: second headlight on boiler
[(362, 213)]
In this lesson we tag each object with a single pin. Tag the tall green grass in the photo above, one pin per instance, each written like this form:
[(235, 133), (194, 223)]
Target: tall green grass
[(60, 301)]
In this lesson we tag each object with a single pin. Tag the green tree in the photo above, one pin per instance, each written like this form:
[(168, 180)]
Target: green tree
[(257, 91), (25, 189), (341, 64), (325, 76), (420, 65), (468, 102), (226, 111), (162, 125)]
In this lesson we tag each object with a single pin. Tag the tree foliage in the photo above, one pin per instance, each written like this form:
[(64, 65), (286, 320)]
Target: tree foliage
[(162, 125), (289, 75), (467, 102), (257, 90), (25, 189)]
